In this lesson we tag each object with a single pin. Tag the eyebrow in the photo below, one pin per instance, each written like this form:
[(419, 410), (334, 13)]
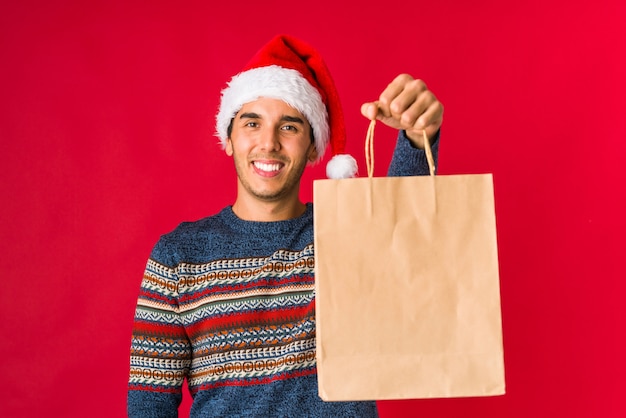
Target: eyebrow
[(284, 118), (294, 119), (249, 115)]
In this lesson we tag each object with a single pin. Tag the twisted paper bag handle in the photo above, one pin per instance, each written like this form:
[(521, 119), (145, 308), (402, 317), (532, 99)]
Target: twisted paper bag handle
[(369, 151)]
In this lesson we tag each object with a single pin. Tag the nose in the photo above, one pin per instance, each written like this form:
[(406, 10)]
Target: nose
[(269, 139)]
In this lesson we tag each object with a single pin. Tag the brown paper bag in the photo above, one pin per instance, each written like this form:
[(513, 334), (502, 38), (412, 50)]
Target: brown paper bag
[(407, 288)]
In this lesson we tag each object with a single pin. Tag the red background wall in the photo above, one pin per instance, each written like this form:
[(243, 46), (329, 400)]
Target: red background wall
[(106, 142)]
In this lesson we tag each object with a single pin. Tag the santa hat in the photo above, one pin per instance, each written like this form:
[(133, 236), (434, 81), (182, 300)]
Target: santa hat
[(290, 70)]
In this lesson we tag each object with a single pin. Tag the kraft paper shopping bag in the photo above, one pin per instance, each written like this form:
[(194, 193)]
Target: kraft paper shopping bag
[(407, 287)]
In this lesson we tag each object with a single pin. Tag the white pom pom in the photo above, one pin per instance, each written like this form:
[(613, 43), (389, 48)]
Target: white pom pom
[(341, 166)]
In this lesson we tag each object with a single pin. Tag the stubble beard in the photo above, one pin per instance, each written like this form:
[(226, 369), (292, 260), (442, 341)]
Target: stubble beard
[(292, 181)]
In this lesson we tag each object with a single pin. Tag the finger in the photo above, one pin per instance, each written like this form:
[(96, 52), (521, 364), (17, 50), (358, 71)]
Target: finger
[(370, 110), (414, 115), (432, 118), (392, 91), (429, 121), (402, 93)]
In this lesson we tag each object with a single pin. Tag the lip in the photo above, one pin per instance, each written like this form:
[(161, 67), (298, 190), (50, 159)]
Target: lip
[(267, 168)]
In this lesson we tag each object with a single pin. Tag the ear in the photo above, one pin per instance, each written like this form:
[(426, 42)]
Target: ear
[(228, 148), (312, 156)]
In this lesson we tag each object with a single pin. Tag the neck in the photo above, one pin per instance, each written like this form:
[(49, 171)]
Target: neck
[(261, 211)]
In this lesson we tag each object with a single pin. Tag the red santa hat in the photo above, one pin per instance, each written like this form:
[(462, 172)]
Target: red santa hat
[(290, 70)]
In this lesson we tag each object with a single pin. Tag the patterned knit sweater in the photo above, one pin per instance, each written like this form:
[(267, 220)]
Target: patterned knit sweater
[(229, 305)]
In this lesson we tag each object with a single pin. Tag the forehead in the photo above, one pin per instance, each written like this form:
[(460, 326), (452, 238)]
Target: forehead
[(267, 107)]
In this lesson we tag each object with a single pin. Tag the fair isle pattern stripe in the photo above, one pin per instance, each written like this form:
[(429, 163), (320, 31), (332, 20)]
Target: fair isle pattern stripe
[(160, 374), (245, 263), (235, 322), (245, 364), (225, 307), (152, 312), (283, 263), (248, 299)]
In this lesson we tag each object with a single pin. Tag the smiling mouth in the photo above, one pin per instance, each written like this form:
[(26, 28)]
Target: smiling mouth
[(269, 168)]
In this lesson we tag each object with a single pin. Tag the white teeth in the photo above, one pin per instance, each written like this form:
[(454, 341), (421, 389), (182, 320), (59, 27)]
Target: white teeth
[(267, 167)]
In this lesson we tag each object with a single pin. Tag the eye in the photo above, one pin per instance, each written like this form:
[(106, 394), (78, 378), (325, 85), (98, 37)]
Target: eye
[(252, 124), (290, 128)]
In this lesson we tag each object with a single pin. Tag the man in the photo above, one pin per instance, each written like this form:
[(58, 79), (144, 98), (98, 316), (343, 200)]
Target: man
[(227, 302)]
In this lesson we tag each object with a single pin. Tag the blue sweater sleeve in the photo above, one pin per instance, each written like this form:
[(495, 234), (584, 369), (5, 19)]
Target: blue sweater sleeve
[(143, 404), (410, 161), (160, 348)]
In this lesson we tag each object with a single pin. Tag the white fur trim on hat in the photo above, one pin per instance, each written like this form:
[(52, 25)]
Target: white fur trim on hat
[(274, 82)]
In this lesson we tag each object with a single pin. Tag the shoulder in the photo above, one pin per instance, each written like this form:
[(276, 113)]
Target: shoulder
[(188, 240)]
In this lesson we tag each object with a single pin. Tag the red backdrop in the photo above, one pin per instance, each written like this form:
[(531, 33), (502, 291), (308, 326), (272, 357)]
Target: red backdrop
[(106, 136)]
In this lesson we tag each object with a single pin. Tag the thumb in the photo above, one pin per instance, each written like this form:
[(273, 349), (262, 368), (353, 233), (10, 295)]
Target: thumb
[(370, 110)]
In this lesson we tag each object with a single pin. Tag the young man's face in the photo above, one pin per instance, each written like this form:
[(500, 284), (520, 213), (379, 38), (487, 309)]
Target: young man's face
[(271, 145)]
